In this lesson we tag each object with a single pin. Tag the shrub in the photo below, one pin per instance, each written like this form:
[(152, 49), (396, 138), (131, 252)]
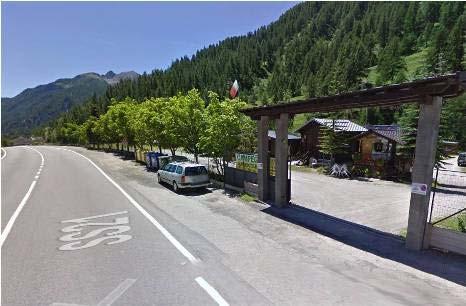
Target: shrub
[(461, 225)]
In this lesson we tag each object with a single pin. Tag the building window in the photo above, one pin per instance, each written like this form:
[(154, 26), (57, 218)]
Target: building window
[(378, 147)]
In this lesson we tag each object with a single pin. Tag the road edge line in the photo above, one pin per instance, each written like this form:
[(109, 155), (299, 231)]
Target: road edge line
[(148, 216), (214, 294), (15, 215), (11, 221)]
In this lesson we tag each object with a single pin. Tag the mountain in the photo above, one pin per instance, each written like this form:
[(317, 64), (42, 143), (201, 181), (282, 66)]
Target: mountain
[(37, 106)]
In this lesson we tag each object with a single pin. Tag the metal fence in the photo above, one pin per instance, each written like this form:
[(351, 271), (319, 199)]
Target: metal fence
[(448, 197)]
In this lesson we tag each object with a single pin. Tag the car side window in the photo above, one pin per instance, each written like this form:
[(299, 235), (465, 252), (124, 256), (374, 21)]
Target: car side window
[(172, 168), (166, 167), (179, 169)]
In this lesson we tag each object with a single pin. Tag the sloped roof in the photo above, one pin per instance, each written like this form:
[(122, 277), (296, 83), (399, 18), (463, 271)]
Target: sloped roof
[(273, 135), (340, 125), (391, 132)]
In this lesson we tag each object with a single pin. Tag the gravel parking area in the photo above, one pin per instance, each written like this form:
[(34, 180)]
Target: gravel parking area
[(382, 205)]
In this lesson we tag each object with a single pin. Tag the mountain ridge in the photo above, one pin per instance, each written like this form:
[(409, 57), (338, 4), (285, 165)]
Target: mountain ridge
[(33, 107)]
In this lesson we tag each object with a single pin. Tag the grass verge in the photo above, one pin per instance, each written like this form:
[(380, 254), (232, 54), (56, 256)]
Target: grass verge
[(456, 223), (247, 198)]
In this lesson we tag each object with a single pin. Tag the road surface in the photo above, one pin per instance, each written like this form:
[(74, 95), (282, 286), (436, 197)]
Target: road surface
[(46, 260), (88, 228)]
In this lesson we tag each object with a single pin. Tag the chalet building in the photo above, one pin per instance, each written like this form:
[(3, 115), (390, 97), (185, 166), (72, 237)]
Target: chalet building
[(375, 149), (310, 132), (378, 142)]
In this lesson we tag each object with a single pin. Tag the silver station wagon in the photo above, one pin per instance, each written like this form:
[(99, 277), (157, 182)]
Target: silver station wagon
[(181, 175)]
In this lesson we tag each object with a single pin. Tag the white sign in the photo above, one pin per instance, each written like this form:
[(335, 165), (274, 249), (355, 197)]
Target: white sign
[(82, 229), (419, 188), (260, 166)]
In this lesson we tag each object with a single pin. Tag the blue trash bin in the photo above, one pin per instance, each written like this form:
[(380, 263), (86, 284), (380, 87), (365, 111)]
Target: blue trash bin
[(152, 161)]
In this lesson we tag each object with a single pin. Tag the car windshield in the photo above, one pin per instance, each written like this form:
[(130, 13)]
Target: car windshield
[(462, 155), (191, 171)]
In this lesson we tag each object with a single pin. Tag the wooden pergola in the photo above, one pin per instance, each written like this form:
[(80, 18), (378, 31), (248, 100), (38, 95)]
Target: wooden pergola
[(428, 92)]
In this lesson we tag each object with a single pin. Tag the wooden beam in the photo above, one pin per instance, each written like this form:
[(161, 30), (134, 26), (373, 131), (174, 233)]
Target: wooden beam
[(444, 86)]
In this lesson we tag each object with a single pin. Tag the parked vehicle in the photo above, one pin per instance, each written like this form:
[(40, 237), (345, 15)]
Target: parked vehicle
[(319, 162), (163, 160), (462, 159), (181, 175)]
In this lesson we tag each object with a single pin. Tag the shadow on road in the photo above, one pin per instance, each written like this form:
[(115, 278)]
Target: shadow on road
[(192, 192), (450, 191), (451, 186), (451, 267)]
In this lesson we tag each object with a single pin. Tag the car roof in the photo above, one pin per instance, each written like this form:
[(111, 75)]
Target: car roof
[(186, 164)]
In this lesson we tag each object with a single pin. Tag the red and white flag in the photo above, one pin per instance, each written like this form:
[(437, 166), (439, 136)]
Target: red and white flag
[(234, 89)]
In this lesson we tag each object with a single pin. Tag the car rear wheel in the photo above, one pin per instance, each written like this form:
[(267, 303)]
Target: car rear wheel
[(175, 187)]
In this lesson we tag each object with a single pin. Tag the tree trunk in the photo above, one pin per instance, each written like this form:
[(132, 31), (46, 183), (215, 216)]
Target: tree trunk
[(173, 151), (196, 157)]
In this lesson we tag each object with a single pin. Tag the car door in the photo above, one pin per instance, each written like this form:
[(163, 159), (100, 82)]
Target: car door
[(177, 174), (171, 173), (164, 173)]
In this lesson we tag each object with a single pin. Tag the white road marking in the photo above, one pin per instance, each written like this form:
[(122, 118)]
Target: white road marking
[(15, 215), (9, 225), (110, 298), (117, 292), (211, 291), (41, 156), (4, 153), (162, 229), (74, 233), (95, 217)]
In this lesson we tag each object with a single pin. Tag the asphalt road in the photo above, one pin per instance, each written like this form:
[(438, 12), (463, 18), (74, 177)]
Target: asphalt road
[(18, 172), (47, 259), (98, 230)]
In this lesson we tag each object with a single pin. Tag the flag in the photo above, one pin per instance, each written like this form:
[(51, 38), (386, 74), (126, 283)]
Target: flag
[(234, 89)]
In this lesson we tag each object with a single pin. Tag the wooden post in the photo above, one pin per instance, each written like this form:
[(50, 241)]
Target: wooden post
[(426, 147), (263, 158), (281, 161)]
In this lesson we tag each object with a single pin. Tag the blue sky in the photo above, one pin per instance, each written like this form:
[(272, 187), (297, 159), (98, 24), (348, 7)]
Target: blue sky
[(42, 42)]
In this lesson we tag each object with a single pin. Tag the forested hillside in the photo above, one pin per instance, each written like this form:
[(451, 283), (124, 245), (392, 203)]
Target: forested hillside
[(314, 49), (35, 106)]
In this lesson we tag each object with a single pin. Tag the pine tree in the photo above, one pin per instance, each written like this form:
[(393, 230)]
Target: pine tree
[(437, 54), (409, 122), (333, 142), (455, 46), (391, 66)]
